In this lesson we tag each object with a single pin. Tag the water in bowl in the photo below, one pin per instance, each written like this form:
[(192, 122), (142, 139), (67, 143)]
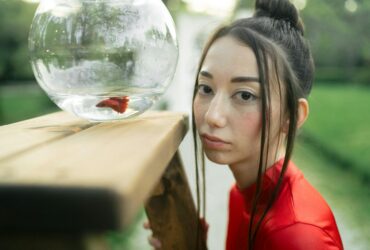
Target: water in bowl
[(107, 107)]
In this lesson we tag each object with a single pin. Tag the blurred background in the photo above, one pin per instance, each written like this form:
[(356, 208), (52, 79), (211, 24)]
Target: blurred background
[(333, 148)]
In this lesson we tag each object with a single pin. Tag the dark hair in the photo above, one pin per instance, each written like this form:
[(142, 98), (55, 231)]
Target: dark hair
[(275, 34)]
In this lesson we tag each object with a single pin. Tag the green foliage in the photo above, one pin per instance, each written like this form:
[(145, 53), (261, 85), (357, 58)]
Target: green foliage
[(343, 75), (133, 237), (244, 4), (339, 120), (15, 20), (339, 39), (23, 102), (348, 197)]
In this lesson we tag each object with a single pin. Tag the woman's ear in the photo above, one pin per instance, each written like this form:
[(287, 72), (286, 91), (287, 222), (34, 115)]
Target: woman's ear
[(303, 111)]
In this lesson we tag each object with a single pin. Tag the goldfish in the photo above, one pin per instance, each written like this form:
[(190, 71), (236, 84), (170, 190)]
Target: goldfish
[(118, 104)]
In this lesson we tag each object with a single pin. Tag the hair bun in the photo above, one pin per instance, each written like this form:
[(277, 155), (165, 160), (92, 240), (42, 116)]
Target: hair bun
[(279, 10)]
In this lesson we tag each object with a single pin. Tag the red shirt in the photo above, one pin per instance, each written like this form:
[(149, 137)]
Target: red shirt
[(299, 219)]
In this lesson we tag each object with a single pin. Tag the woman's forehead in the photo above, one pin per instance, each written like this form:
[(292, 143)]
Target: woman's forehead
[(229, 56)]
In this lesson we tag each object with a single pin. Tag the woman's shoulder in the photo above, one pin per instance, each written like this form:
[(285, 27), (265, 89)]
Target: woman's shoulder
[(307, 204), (301, 198), (301, 209), (301, 236)]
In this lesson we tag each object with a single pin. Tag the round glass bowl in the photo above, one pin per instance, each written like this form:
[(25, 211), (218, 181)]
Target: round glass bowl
[(103, 59)]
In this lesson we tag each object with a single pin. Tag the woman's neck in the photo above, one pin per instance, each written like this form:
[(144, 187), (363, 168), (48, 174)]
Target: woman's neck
[(245, 174)]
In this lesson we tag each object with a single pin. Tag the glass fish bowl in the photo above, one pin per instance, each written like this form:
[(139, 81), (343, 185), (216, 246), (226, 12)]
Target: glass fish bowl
[(103, 60)]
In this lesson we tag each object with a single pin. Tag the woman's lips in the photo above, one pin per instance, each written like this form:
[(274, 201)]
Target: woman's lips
[(213, 142)]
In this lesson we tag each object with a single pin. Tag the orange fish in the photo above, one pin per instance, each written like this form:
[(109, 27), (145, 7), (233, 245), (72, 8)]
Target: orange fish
[(119, 104)]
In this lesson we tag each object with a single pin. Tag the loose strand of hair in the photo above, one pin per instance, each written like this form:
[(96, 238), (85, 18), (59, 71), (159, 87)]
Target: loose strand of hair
[(204, 185), (281, 104), (265, 140), (263, 74), (199, 206), (289, 148), (196, 181)]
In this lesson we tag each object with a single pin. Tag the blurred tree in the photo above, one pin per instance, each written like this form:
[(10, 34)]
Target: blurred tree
[(15, 20), (175, 6), (340, 40), (338, 36), (244, 4)]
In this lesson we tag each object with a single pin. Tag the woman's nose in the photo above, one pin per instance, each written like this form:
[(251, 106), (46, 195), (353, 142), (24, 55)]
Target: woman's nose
[(216, 115)]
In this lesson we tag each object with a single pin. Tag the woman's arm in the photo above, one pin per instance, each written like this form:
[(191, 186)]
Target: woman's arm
[(301, 236)]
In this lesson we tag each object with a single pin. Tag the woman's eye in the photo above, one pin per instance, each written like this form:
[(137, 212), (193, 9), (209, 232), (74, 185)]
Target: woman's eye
[(245, 96), (204, 89)]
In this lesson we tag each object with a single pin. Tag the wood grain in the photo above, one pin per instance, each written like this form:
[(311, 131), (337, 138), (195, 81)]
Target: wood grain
[(19, 137), (172, 214)]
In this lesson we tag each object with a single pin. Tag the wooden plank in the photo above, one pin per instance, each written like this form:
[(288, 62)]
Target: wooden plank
[(71, 210), (126, 158), (172, 213), (52, 241), (45, 241), (27, 135)]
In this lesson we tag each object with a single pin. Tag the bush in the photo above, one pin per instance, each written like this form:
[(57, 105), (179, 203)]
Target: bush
[(348, 75)]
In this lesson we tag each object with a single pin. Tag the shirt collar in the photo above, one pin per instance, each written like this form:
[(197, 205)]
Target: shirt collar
[(269, 181)]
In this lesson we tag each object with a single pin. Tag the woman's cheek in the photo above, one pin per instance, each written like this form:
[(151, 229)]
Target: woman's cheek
[(251, 124), (198, 112)]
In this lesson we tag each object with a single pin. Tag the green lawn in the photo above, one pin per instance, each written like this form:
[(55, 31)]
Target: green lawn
[(347, 195), (20, 102), (340, 121)]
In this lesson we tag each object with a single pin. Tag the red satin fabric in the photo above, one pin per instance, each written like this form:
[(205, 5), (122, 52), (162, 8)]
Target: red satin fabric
[(300, 219)]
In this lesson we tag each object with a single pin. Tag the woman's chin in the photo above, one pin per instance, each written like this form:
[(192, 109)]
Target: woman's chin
[(217, 157)]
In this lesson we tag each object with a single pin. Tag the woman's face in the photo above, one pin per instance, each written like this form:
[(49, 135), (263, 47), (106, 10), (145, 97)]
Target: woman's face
[(227, 106)]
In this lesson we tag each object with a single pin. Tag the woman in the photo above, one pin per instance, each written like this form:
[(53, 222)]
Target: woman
[(250, 98)]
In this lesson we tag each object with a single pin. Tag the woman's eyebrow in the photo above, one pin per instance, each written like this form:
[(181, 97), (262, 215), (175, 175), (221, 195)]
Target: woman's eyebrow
[(239, 79), (206, 74)]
